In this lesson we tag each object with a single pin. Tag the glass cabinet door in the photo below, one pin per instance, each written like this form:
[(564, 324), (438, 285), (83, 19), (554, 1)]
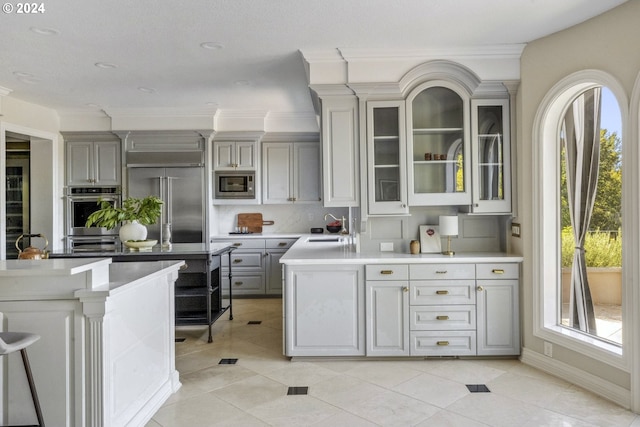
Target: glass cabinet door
[(386, 155), (438, 149), (491, 156)]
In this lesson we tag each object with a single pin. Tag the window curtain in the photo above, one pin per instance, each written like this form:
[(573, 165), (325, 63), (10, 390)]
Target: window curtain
[(581, 128)]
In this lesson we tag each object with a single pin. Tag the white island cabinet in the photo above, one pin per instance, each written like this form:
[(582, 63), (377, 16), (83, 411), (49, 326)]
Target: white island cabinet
[(106, 356)]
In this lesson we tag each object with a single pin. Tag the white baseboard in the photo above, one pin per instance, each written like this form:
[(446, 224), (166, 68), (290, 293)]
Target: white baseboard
[(590, 382)]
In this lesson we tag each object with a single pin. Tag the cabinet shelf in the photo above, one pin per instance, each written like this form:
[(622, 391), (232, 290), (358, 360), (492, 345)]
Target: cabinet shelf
[(491, 164), (390, 138), (429, 131), (436, 162), (386, 166)]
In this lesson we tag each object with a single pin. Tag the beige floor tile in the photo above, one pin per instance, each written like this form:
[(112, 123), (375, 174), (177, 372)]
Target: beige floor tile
[(465, 371), (343, 391), (294, 411), (203, 411), (216, 377), (301, 374), (383, 373), (344, 419), (494, 409), (251, 392), (527, 389), (445, 418), (434, 390), (392, 409)]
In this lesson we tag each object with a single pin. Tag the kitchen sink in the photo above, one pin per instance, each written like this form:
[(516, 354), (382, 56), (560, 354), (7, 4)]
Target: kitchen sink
[(323, 239)]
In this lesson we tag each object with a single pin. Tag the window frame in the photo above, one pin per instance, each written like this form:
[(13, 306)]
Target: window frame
[(546, 222)]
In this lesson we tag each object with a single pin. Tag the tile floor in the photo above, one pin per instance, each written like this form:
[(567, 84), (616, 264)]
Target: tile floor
[(253, 391)]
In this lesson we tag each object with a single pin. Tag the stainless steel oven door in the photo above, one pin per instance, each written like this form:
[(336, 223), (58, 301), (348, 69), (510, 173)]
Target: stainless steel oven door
[(79, 207)]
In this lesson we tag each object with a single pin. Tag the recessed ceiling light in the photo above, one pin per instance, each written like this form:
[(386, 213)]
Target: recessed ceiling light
[(45, 31), (212, 45), (146, 89), (105, 65)]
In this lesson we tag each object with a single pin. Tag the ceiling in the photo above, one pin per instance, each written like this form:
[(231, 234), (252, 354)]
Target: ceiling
[(96, 55)]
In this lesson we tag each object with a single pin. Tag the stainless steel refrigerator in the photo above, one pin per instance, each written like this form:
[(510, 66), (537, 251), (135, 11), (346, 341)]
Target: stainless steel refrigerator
[(182, 191)]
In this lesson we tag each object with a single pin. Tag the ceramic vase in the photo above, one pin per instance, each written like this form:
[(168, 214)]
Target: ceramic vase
[(132, 230)]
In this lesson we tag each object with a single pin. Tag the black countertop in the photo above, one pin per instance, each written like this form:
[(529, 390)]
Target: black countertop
[(157, 251)]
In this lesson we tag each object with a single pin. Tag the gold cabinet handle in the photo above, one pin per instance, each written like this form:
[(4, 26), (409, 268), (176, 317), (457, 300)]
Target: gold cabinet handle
[(282, 244), (442, 317), (237, 261), (238, 283), (497, 271), (442, 292), (405, 289), (441, 272), (386, 272), (480, 288), (442, 343), (237, 244)]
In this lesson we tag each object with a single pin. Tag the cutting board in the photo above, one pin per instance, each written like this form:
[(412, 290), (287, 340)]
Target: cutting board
[(253, 222)]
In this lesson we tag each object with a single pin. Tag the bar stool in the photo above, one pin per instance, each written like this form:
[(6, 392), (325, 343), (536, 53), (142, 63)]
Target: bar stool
[(11, 342)]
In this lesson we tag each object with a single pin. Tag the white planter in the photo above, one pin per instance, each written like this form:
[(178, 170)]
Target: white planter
[(132, 230)]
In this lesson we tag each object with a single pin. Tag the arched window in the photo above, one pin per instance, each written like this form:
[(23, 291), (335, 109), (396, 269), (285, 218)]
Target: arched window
[(578, 167)]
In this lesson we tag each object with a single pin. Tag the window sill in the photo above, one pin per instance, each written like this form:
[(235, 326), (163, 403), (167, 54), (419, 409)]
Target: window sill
[(579, 342)]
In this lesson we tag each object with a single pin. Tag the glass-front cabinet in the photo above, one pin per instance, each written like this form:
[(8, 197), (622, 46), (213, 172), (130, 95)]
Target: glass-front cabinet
[(438, 145), (386, 153), (491, 156)]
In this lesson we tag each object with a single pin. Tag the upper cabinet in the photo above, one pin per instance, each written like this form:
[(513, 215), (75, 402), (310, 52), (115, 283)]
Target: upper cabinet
[(340, 154), (490, 151), (90, 161), (386, 154), (290, 172), (438, 123), (235, 155)]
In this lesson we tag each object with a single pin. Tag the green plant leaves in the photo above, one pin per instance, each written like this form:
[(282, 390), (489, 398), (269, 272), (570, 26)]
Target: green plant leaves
[(146, 211)]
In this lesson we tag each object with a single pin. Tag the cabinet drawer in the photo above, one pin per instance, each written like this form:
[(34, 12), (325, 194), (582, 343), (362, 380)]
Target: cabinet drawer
[(244, 243), (279, 243), (442, 271), (194, 266), (442, 292), (498, 271), (387, 272), (247, 283), (245, 261), (443, 317), (443, 343)]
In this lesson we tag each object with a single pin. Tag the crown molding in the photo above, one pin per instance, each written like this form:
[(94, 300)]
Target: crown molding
[(513, 51)]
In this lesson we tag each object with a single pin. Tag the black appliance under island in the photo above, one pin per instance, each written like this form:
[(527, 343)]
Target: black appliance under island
[(198, 290)]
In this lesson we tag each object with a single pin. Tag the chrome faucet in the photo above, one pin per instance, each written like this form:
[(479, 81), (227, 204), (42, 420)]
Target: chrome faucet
[(342, 221)]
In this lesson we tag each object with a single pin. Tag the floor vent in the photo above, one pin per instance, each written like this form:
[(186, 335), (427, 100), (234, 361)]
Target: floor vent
[(478, 388), (297, 391), (254, 322), (227, 361), (180, 339)]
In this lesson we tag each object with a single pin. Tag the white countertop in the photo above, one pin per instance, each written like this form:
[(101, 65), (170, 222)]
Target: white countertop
[(304, 252), (52, 267), (259, 236)]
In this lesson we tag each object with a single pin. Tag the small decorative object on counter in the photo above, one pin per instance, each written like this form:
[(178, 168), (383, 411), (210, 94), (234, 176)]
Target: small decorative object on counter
[(32, 252), (414, 247), (166, 235), (443, 157), (448, 227), (436, 157), (427, 156)]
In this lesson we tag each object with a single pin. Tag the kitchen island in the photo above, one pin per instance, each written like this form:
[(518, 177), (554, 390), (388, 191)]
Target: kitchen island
[(106, 356), (198, 289), (339, 302)]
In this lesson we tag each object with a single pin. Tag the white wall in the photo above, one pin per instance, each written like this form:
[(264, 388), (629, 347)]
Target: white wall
[(607, 43)]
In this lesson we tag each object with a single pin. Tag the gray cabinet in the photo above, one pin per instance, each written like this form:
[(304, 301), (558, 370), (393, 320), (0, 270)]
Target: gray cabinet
[(90, 163), (235, 155), (325, 310), (290, 172), (387, 316)]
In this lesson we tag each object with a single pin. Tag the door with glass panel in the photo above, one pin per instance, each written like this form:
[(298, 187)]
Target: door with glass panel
[(438, 145), (490, 150), (386, 153)]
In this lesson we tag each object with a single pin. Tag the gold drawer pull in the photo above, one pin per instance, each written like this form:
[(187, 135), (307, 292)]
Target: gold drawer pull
[(184, 266), (405, 289), (442, 317), (282, 244), (386, 272), (441, 272), (237, 244), (238, 283), (497, 271), (442, 292), (237, 261), (443, 343)]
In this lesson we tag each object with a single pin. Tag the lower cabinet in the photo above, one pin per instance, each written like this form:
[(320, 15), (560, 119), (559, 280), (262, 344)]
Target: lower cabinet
[(387, 310), (443, 310), (256, 266), (324, 310)]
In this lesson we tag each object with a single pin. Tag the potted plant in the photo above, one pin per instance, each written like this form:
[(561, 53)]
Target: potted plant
[(134, 215)]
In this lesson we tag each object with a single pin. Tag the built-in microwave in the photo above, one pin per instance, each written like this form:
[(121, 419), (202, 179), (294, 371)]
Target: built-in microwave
[(235, 185)]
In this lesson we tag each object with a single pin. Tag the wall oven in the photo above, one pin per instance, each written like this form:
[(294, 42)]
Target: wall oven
[(82, 202), (235, 185)]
